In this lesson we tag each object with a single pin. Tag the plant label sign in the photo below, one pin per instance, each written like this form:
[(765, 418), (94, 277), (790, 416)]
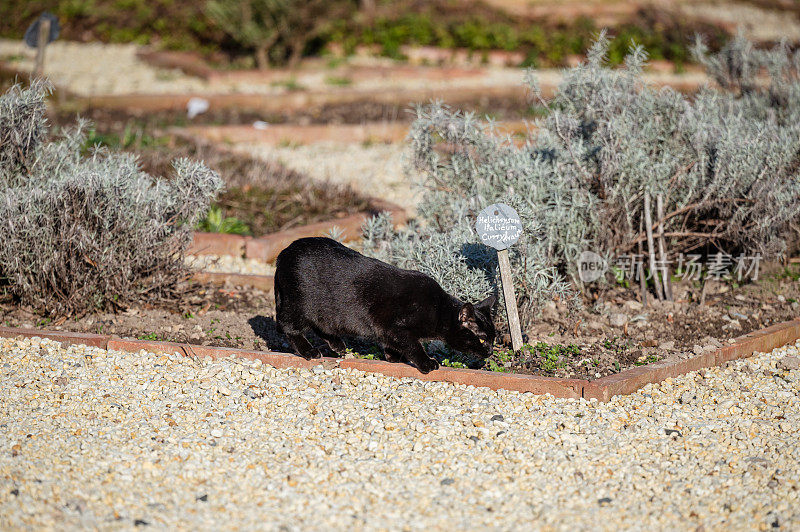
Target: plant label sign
[(39, 34), (43, 30), (499, 226)]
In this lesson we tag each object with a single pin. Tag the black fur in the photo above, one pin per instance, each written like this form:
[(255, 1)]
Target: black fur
[(325, 287)]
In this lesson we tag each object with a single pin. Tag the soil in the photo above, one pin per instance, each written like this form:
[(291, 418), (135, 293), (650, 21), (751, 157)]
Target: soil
[(612, 334), (355, 112)]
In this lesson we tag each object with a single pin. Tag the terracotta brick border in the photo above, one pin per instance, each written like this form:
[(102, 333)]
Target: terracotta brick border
[(301, 100), (262, 282), (266, 248), (601, 389), (275, 134)]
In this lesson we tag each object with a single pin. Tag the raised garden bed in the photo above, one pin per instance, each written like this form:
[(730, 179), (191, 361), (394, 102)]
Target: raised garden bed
[(601, 389), (584, 344)]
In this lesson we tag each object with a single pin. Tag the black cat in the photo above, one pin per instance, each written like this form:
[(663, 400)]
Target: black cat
[(325, 287)]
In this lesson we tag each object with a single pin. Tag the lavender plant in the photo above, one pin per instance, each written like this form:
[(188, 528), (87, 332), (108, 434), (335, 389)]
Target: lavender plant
[(724, 163), (83, 232)]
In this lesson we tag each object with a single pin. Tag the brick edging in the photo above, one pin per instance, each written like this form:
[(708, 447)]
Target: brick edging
[(602, 389), (568, 388), (267, 247), (265, 283)]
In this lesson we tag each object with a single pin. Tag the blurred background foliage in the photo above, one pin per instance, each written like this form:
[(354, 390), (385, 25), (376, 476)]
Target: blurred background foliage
[(282, 31)]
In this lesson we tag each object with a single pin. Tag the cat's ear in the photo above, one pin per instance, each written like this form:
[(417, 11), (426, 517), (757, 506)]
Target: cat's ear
[(467, 314), (487, 304)]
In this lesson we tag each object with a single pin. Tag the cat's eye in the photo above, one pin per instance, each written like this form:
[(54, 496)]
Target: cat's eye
[(481, 340)]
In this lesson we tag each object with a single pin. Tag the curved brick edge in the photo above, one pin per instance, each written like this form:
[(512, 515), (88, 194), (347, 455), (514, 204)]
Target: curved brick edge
[(191, 63), (388, 132), (377, 131), (266, 248), (302, 100), (262, 282), (217, 244), (630, 380), (601, 389)]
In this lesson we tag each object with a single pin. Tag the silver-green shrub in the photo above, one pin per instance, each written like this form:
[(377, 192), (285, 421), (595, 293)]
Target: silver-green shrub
[(89, 231), (22, 126), (724, 161)]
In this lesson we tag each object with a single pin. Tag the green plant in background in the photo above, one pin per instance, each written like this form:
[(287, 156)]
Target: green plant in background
[(277, 31), (335, 233), (272, 31), (453, 363), (169, 24), (133, 136), (338, 81), (546, 357), (253, 24), (494, 366), (649, 359), (81, 232), (216, 222), (373, 353)]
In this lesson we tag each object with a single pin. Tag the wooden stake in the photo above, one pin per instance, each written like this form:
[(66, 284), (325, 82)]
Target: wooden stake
[(511, 299), (662, 248), (640, 268), (648, 226), (41, 44)]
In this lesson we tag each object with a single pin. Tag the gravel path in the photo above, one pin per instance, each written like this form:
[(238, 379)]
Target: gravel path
[(97, 439), (95, 68)]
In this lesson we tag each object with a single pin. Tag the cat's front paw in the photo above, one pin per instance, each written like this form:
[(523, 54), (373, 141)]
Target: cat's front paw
[(426, 365), (311, 354)]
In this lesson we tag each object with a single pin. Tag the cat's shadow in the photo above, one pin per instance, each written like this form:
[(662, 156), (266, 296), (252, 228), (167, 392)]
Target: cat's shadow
[(267, 329), (484, 258)]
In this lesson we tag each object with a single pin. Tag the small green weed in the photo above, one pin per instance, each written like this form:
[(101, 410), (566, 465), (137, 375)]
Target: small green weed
[(337, 81), (494, 366), (453, 363), (216, 222), (290, 84), (649, 359), (373, 353)]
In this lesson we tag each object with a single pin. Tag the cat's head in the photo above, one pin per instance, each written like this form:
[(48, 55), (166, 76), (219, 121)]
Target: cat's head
[(474, 331)]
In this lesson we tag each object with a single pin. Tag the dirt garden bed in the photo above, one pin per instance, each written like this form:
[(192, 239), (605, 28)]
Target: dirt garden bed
[(616, 335)]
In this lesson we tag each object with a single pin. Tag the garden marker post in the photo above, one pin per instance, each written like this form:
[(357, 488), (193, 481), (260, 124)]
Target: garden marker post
[(39, 34), (499, 226)]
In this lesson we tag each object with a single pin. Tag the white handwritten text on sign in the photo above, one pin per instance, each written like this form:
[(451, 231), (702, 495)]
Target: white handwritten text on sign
[(499, 226)]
